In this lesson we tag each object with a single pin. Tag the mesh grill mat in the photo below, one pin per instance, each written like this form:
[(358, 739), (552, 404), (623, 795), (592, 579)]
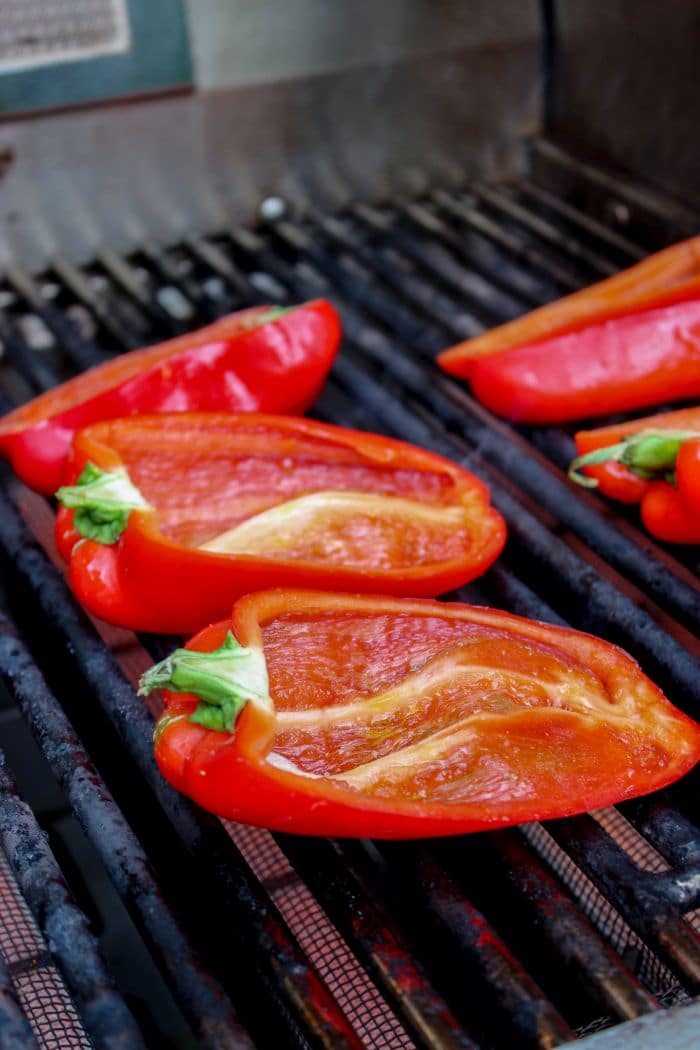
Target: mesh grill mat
[(647, 967), (39, 986), (336, 965)]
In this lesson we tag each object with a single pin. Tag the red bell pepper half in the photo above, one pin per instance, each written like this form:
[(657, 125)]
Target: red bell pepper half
[(653, 461), (332, 714), (178, 515), (265, 359), (630, 341)]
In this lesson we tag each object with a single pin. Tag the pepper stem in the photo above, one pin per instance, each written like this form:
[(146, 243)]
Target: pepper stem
[(224, 681), (102, 501), (649, 454)]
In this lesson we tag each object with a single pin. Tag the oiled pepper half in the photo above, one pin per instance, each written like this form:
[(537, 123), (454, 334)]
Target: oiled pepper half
[(265, 359), (630, 341), (178, 515), (336, 714), (653, 461)]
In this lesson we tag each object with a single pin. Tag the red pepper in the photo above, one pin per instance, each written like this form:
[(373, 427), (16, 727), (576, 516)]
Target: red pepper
[(669, 276), (626, 342), (266, 359), (653, 461), (184, 513), (611, 366), (332, 714)]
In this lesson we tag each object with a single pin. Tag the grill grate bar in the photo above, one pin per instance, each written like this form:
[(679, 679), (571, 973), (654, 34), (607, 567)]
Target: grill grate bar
[(510, 242), (127, 864), (66, 930), (632, 252), (378, 944), (415, 290), (545, 231), (634, 893), (81, 289), (81, 352), (127, 280), (28, 362), (207, 308), (594, 964), (241, 904), (484, 297), (475, 249), (660, 219), (430, 900), (660, 821)]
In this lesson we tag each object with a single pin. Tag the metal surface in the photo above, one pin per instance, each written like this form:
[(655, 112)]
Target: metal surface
[(623, 81), (494, 941), (390, 97), (679, 1029)]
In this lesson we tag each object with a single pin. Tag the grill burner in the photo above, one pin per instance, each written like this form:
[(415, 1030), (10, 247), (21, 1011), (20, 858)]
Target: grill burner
[(526, 937)]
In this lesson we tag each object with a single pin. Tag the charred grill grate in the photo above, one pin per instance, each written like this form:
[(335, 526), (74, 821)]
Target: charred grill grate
[(526, 937)]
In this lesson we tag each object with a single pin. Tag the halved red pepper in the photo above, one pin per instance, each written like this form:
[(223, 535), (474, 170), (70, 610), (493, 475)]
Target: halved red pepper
[(265, 359), (630, 341), (653, 461), (332, 714), (184, 513)]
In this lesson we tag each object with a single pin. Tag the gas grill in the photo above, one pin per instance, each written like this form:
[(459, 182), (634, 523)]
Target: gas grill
[(127, 916)]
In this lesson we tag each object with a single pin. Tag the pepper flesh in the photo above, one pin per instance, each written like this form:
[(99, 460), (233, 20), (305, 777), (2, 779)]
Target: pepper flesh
[(403, 719), (670, 509), (668, 276), (264, 359), (234, 503)]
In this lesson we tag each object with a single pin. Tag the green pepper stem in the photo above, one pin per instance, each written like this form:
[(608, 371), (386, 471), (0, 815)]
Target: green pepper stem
[(102, 501), (224, 681), (649, 454)]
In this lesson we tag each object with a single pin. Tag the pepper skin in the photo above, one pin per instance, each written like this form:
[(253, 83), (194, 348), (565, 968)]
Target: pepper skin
[(193, 510), (667, 516), (264, 359), (669, 276), (342, 715), (613, 478), (610, 366), (654, 461)]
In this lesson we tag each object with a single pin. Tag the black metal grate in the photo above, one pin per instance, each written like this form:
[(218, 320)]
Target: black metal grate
[(526, 937)]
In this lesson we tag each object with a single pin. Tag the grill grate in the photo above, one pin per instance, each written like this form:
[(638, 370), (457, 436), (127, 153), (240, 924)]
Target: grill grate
[(526, 937)]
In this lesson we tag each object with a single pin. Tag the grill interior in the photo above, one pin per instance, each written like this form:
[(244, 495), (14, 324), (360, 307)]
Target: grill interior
[(141, 919)]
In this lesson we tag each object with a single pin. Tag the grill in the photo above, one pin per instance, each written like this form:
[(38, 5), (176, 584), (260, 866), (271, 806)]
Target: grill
[(131, 918)]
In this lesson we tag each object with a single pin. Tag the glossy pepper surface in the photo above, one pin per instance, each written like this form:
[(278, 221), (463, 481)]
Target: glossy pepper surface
[(265, 359), (660, 280), (654, 461), (167, 519), (626, 343), (335, 714)]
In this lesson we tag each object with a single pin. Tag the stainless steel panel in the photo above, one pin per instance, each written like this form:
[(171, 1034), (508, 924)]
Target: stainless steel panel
[(183, 165), (625, 87), (236, 42)]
